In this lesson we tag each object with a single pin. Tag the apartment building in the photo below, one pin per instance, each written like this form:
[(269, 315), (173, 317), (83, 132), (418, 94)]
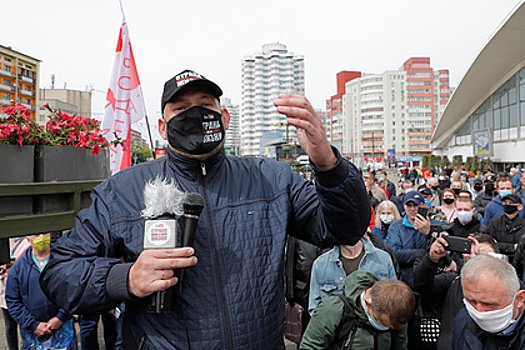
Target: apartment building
[(393, 113), (265, 75), (19, 79)]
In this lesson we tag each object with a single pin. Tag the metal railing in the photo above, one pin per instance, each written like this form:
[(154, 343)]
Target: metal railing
[(23, 225)]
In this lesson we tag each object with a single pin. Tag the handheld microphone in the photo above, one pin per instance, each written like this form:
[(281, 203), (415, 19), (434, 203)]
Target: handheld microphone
[(193, 205), (163, 206)]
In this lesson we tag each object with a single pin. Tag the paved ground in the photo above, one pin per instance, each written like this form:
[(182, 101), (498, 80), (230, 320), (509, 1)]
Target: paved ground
[(3, 345)]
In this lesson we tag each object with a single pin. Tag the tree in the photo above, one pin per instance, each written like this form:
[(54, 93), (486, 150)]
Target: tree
[(140, 154), (457, 161)]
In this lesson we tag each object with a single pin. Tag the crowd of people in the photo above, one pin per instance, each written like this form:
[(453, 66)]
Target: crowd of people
[(457, 245), (432, 262)]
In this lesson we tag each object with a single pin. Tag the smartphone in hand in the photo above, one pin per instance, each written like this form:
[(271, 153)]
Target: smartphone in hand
[(458, 244), (422, 211)]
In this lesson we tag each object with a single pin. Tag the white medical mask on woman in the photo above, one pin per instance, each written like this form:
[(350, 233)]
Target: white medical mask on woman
[(492, 321), (386, 219)]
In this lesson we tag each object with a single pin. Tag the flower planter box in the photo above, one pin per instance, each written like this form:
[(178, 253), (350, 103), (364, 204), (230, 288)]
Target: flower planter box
[(62, 163), (17, 166)]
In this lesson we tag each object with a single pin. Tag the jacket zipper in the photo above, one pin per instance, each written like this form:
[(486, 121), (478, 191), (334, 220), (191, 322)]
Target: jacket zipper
[(216, 259)]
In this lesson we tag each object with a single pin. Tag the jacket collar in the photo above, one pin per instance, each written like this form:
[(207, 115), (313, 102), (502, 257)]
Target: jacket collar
[(368, 247), (191, 168)]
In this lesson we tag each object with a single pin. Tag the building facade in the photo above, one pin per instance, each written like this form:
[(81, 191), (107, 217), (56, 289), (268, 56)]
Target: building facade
[(388, 117), (72, 102), (19, 79), (232, 144), (265, 75), (486, 114)]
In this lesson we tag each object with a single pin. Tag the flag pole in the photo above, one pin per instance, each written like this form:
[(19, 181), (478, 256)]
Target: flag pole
[(145, 114)]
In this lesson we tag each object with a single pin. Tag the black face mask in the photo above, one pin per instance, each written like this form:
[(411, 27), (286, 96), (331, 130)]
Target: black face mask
[(510, 209), (196, 131), (489, 189), (435, 188), (456, 191), (478, 188), (449, 200)]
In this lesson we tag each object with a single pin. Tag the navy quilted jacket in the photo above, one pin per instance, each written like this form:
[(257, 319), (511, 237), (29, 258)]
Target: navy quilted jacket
[(234, 297)]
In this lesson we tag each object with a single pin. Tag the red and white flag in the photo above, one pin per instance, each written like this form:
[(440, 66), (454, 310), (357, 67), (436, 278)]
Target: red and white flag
[(125, 101)]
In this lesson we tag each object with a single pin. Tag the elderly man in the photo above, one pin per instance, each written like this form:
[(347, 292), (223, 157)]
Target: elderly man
[(232, 295), (493, 318), (436, 279), (382, 309)]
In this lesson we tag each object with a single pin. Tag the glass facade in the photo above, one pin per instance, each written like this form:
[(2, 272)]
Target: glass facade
[(503, 112)]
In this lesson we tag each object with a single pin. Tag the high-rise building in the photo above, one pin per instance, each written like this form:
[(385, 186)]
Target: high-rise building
[(233, 142), (19, 79), (265, 75), (393, 113), (334, 108)]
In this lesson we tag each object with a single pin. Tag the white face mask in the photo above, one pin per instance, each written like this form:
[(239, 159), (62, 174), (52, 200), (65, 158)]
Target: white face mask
[(492, 321), (381, 178), (386, 218), (464, 216)]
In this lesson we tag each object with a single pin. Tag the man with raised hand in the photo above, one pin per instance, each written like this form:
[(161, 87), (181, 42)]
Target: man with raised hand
[(232, 295)]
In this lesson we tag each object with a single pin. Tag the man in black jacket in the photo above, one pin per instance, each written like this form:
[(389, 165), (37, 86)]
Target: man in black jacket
[(486, 197), (466, 222), (508, 228), (443, 289)]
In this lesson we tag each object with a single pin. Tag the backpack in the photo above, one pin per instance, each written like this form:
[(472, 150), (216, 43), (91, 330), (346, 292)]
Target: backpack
[(345, 332)]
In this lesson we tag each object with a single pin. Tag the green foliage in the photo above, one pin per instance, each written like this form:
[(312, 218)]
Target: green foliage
[(140, 154)]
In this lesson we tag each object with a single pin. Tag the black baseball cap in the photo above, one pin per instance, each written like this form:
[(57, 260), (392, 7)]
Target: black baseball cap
[(184, 80), (513, 198)]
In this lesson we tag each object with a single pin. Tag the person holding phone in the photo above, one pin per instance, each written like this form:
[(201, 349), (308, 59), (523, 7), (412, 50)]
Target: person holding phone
[(409, 237), (444, 290)]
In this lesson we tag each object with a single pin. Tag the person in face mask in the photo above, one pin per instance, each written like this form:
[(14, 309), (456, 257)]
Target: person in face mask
[(477, 188), (386, 214), (494, 305), (448, 207), (38, 318), (495, 207), (387, 184), (508, 228), (465, 222), (456, 186), (483, 199), (433, 211), (382, 309), (436, 280), (250, 206)]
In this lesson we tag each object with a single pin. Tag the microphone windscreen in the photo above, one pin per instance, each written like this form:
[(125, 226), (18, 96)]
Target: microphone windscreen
[(193, 204), (162, 197)]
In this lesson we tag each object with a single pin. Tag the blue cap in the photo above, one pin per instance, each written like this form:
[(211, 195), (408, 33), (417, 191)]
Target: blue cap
[(414, 196)]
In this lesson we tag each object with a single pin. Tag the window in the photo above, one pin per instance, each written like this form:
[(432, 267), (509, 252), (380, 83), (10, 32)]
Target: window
[(522, 110), (513, 115)]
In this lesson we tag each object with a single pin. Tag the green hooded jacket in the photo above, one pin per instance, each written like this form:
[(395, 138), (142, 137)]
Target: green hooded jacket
[(320, 333)]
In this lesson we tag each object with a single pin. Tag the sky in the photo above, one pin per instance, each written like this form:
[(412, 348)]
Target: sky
[(76, 40)]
